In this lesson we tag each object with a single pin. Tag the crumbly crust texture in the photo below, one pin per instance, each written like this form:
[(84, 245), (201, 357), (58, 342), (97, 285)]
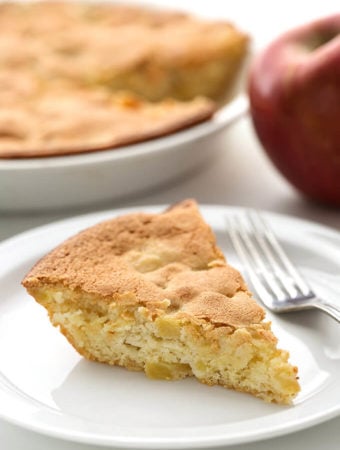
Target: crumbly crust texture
[(151, 260), (153, 292), (71, 122), (78, 77)]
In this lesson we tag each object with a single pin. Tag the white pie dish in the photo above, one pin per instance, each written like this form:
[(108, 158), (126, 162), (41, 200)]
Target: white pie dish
[(75, 181), (78, 180)]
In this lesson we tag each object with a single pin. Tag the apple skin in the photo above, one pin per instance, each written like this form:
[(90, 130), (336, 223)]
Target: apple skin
[(294, 93)]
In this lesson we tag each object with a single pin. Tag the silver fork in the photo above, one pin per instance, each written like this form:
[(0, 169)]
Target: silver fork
[(277, 282)]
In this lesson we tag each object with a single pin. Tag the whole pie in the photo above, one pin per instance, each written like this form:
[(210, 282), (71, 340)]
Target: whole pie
[(79, 77), (154, 293)]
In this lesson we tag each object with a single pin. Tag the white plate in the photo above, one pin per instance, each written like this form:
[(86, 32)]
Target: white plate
[(104, 176), (46, 386)]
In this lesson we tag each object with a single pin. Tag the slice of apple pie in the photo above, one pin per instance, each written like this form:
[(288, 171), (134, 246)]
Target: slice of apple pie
[(153, 292)]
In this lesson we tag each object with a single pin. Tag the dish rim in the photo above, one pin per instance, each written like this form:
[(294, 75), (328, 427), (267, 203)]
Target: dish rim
[(224, 116)]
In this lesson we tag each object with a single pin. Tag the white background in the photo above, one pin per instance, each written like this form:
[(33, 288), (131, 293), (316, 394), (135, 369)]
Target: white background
[(240, 175)]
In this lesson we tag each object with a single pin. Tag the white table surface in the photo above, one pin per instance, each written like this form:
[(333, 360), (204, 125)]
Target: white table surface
[(240, 175)]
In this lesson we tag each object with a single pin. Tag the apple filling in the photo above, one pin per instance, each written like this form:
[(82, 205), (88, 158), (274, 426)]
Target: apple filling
[(168, 347)]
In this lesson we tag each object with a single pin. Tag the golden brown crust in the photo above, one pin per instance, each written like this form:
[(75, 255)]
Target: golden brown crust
[(168, 261), (79, 39), (59, 124), (62, 64)]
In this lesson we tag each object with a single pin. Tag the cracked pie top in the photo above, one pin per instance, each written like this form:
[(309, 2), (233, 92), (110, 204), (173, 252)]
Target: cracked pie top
[(80, 77)]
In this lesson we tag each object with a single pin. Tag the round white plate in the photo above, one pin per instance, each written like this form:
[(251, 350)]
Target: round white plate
[(47, 387)]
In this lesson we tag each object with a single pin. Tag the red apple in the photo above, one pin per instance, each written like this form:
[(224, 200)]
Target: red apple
[(294, 91)]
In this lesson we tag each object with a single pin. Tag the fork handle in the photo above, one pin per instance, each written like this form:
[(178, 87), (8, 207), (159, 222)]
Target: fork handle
[(331, 309)]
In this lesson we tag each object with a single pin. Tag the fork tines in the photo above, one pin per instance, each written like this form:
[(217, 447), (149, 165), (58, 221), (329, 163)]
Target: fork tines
[(273, 275)]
